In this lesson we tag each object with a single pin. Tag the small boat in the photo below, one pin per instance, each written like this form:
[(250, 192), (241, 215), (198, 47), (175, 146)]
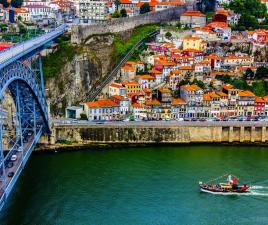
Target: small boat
[(232, 186)]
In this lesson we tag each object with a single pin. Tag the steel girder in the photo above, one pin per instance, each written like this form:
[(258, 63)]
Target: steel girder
[(24, 82)]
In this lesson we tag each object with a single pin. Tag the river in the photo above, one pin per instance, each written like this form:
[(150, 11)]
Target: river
[(139, 186)]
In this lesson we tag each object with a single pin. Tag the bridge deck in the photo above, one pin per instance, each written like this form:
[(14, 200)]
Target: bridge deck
[(17, 51)]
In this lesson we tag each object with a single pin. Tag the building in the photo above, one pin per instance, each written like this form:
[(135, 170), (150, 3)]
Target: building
[(167, 4), (132, 87), (117, 89), (259, 106), (93, 10), (178, 108), (193, 19), (191, 42), (39, 11), (73, 112), (102, 109), (245, 103), (164, 96)]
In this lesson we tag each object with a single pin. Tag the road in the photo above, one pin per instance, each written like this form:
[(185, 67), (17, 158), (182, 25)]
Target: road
[(15, 52), (172, 123)]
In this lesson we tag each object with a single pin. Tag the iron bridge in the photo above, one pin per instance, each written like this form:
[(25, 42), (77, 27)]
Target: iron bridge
[(23, 108)]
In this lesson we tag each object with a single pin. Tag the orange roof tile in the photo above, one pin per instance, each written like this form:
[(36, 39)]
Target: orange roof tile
[(115, 85), (192, 87), (259, 100), (177, 101), (152, 102), (101, 103), (193, 13), (146, 77), (245, 94)]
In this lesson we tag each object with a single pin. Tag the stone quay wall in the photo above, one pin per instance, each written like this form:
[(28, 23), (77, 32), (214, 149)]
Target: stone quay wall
[(148, 134), (82, 32)]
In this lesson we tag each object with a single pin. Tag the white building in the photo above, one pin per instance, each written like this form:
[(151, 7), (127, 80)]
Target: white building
[(93, 10)]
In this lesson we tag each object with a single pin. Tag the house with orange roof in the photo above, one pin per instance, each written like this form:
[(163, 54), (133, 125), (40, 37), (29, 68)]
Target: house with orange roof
[(259, 37), (127, 72), (131, 87), (174, 78), (164, 95), (245, 103), (153, 108), (265, 98), (159, 76), (166, 66), (233, 60), (193, 96), (259, 109), (202, 67), (102, 109), (146, 81), (139, 111), (193, 19), (117, 89), (194, 42), (124, 105), (166, 5), (178, 108), (130, 6)]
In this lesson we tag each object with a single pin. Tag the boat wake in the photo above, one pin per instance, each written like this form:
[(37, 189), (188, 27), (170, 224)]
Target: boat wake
[(254, 191)]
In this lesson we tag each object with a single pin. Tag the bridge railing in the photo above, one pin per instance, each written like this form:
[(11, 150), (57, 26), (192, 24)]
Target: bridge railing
[(22, 48)]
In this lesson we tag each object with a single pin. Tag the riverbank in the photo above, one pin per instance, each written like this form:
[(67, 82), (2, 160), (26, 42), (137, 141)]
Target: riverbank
[(151, 133), (110, 146)]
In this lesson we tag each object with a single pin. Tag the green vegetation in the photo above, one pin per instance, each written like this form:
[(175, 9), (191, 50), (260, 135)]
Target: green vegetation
[(53, 63), (23, 35), (209, 15), (121, 46), (168, 35), (145, 8), (259, 87), (251, 11), (116, 14), (83, 116), (123, 13), (206, 5)]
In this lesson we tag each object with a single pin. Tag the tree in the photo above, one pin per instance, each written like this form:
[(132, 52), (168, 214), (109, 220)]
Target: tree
[(16, 3), (4, 3), (83, 116), (116, 14), (145, 8), (248, 21), (168, 35), (249, 74), (259, 88), (178, 25), (262, 72), (123, 13), (117, 3)]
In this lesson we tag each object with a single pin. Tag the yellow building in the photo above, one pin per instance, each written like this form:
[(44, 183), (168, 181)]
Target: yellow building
[(196, 43), (132, 87)]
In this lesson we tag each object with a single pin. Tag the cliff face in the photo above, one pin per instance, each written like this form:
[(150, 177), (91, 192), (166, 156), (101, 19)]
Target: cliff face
[(81, 75)]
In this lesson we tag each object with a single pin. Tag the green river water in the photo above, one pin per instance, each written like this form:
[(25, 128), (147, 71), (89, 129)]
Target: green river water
[(139, 186)]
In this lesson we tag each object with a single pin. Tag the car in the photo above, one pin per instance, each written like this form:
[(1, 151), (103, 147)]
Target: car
[(202, 120), (187, 119), (13, 158), (194, 119), (10, 174), (180, 119), (99, 123), (20, 149), (10, 164)]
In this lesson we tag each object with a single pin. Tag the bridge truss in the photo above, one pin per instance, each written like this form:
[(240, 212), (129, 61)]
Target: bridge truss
[(23, 108)]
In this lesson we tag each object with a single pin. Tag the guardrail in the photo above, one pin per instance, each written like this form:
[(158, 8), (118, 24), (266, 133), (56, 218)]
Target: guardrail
[(15, 52), (120, 64)]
